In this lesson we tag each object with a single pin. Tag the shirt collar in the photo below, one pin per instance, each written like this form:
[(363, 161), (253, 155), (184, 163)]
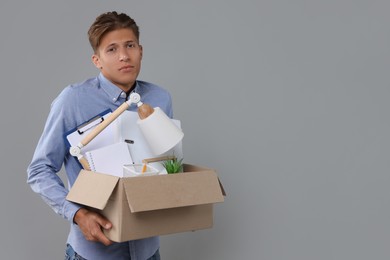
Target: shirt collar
[(112, 90)]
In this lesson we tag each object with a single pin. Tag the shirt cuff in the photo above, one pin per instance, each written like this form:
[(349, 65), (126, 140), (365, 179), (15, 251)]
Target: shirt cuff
[(70, 210)]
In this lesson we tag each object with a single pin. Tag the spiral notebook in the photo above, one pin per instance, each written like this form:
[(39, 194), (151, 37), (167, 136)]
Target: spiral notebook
[(109, 159)]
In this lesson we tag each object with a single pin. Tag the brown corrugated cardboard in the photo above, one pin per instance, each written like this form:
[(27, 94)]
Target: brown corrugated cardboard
[(140, 207)]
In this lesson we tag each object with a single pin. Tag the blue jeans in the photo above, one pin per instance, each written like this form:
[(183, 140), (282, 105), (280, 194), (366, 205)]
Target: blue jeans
[(70, 254)]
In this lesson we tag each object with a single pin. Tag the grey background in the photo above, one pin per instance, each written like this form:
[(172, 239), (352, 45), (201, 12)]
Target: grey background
[(287, 99)]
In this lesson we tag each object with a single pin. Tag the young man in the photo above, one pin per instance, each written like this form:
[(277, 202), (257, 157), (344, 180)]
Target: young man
[(117, 54)]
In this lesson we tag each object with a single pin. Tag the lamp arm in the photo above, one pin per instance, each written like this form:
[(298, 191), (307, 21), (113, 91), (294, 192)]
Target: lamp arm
[(84, 163), (76, 151), (100, 127)]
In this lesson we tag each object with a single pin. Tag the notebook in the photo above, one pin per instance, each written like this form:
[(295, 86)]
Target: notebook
[(109, 159)]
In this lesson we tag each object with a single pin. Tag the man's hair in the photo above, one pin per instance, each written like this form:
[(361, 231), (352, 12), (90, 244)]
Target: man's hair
[(108, 22)]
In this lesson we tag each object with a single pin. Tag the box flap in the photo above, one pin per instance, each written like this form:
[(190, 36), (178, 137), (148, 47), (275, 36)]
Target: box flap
[(172, 190), (196, 168), (92, 189)]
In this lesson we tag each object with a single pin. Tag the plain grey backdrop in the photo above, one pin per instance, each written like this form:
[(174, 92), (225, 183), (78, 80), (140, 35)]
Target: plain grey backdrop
[(287, 99)]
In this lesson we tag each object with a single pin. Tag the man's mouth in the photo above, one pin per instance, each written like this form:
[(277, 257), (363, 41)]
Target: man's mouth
[(126, 68)]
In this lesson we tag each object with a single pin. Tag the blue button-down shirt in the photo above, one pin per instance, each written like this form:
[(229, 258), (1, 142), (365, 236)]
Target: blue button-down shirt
[(76, 104)]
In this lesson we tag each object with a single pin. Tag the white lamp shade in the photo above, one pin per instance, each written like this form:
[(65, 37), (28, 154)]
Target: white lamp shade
[(160, 132)]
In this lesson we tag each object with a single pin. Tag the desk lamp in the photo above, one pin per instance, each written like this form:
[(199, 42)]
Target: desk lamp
[(158, 129)]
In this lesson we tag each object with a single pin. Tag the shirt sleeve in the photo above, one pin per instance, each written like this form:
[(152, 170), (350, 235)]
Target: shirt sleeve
[(48, 158), (169, 110)]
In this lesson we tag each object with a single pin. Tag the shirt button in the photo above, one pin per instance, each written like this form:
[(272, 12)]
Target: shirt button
[(123, 95)]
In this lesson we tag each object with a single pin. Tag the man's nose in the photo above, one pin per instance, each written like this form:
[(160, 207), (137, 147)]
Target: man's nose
[(123, 56)]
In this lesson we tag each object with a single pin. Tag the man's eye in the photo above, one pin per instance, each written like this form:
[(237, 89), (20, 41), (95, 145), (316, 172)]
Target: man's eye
[(131, 45), (111, 50)]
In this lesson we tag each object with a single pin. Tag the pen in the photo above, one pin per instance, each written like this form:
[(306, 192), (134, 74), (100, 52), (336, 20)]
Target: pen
[(128, 141)]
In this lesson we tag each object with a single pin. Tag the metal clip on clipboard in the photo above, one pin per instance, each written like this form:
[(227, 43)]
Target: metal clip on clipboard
[(90, 124)]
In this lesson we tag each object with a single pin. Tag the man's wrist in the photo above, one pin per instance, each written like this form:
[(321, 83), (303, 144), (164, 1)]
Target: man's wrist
[(79, 214)]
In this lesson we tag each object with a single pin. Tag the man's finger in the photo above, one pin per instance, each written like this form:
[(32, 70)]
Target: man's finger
[(103, 222), (99, 236)]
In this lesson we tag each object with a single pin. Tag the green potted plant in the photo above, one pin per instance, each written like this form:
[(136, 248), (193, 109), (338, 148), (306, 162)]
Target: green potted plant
[(173, 165)]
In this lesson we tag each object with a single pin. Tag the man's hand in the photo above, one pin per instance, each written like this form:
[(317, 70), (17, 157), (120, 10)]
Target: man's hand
[(91, 224)]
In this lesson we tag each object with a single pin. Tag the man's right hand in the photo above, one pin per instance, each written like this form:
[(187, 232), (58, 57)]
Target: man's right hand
[(91, 224)]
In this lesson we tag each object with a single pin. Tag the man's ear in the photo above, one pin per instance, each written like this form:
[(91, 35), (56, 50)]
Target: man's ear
[(96, 61), (141, 50)]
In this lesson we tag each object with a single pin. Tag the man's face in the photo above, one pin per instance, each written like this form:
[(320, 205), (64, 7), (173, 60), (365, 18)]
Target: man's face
[(119, 57)]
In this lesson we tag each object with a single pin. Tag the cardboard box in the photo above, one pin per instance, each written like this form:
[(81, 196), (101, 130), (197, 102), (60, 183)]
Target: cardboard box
[(141, 207)]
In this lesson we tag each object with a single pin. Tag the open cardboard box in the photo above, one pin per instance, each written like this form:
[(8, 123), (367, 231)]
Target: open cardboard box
[(146, 206)]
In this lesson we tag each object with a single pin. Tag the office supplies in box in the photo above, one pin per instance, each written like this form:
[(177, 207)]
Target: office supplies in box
[(141, 207), (140, 170)]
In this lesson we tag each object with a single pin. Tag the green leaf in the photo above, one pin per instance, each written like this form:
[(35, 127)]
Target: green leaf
[(173, 166)]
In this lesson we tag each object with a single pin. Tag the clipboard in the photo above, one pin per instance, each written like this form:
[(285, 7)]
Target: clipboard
[(106, 137)]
